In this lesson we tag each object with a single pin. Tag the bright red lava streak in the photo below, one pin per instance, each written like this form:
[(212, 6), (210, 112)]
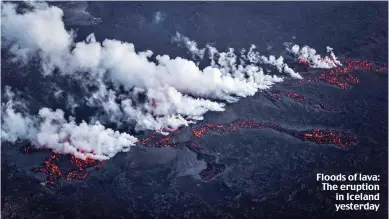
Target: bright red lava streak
[(319, 137)]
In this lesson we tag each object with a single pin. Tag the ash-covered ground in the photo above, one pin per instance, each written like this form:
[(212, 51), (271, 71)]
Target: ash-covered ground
[(251, 172)]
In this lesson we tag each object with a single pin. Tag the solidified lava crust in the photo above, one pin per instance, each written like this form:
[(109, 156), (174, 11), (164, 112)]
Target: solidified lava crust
[(211, 171), (213, 168)]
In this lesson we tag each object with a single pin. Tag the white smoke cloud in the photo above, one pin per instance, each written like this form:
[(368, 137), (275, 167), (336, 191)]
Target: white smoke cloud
[(309, 55), (51, 130), (121, 63), (228, 60), (15, 125), (41, 30), (177, 91), (118, 60), (83, 140), (280, 65), (190, 45), (164, 108)]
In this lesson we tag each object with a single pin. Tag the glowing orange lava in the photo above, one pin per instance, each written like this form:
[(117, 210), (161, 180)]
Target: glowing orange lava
[(329, 137), (319, 137), (341, 76), (51, 167), (291, 94), (158, 140)]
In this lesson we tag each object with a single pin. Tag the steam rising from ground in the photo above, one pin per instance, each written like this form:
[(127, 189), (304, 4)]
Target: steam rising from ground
[(177, 91), (309, 55), (228, 60)]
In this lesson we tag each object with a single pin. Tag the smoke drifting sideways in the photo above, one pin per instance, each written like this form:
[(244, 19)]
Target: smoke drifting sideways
[(224, 59), (228, 60), (51, 130), (177, 92)]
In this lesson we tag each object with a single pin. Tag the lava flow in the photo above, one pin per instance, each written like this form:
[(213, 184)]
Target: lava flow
[(158, 140), (328, 137), (341, 76), (52, 166), (291, 94), (81, 167), (233, 127), (319, 137)]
